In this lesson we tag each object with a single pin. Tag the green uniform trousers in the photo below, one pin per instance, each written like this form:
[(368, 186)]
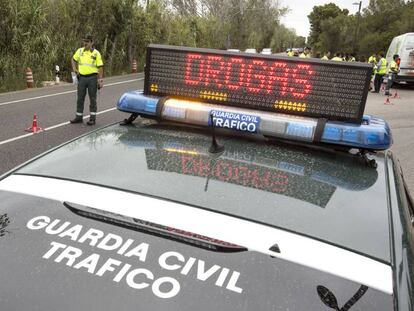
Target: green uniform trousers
[(89, 83)]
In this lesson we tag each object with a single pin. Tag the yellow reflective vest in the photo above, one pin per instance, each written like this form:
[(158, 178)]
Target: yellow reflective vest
[(393, 67), (336, 58), (325, 57), (88, 61), (291, 53), (303, 55), (372, 59), (382, 66)]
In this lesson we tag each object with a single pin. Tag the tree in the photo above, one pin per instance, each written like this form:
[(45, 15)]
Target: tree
[(320, 14)]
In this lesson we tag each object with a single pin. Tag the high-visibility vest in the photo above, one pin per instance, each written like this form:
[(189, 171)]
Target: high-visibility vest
[(336, 58), (382, 66), (393, 68), (291, 53), (352, 59), (303, 55), (325, 57), (88, 61), (372, 59)]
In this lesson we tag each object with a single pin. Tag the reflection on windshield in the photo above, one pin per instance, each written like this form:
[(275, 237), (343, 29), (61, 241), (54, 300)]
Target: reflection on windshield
[(278, 170)]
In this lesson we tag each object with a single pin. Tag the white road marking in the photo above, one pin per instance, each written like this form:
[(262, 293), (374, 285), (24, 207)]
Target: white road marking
[(62, 93), (49, 128)]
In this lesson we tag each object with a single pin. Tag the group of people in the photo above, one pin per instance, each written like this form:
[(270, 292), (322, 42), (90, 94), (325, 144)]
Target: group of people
[(381, 68)]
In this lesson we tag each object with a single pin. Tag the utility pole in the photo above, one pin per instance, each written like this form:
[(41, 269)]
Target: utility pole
[(357, 25)]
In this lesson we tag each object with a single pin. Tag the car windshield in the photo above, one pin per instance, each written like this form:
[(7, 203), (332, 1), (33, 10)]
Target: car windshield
[(328, 196)]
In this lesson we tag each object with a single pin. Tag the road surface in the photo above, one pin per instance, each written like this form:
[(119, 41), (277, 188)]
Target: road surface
[(54, 106)]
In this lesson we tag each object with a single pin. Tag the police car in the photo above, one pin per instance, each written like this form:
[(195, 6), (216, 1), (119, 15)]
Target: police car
[(238, 182)]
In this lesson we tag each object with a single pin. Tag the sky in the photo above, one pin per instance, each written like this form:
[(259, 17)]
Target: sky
[(297, 17)]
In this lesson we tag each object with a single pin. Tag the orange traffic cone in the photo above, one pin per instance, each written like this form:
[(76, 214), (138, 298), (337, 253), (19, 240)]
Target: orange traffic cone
[(34, 128), (396, 95), (387, 101)]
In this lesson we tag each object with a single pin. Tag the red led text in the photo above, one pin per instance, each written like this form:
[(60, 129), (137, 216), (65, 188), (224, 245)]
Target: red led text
[(251, 75)]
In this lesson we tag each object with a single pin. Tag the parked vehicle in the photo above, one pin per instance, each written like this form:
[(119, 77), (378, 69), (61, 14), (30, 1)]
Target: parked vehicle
[(403, 45)]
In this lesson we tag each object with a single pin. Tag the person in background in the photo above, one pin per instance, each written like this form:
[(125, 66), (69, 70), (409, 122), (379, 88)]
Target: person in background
[(392, 72), (352, 58), (306, 53), (290, 53), (381, 71), (372, 59), (326, 56), (345, 57), (88, 65), (337, 57)]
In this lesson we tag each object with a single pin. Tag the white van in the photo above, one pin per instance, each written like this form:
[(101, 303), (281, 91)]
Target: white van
[(403, 45)]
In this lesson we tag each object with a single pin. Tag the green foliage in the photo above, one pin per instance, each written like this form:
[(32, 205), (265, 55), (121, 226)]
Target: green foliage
[(43, 33), (320, 14), (332, 29)]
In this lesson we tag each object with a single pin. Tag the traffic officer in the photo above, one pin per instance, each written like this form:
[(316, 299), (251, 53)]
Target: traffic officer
[(326, 56), (88, 65), (337, 57), (381, 71), (305, 53), (291, 53), (392, 73), (372, 59)]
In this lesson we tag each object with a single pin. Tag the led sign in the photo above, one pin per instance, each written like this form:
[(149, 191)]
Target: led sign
[(309, 87)]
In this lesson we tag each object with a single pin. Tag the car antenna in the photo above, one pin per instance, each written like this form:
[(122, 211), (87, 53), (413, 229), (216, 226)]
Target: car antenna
[(215, 147)]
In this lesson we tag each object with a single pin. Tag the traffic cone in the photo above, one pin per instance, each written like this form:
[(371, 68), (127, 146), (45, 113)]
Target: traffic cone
[(396, 95), (34, 128), (387, 101)]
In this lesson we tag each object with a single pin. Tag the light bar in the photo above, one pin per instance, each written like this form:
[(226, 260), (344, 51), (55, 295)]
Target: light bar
[(372, 134), (290, 85)]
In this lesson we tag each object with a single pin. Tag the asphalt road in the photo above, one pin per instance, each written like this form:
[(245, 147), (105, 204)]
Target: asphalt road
[(55, 105)]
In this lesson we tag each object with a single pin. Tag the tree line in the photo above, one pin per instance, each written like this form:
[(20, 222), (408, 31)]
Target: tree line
[(370, 32), (43, 33)]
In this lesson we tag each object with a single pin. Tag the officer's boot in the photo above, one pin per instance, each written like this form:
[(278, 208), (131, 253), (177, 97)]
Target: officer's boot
[(91, 121), (78, 119)]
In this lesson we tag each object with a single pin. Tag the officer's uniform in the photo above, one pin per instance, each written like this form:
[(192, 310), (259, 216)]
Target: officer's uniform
[(373, 60), (337, 58), (303, 55), (89, 62), (381, 71), (392, 73), (325, 57)]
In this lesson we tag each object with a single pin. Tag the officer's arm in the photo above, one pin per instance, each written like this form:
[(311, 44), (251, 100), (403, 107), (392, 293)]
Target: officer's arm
[(74, 66), (100, 73)]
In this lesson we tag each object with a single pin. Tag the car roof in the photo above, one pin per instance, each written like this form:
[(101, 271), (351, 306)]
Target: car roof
[(331, 197)]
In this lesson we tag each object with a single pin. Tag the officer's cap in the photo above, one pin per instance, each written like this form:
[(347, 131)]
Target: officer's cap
[(88, 37)]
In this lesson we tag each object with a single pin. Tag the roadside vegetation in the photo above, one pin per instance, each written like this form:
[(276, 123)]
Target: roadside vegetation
[(43, 33), (334, 29)]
